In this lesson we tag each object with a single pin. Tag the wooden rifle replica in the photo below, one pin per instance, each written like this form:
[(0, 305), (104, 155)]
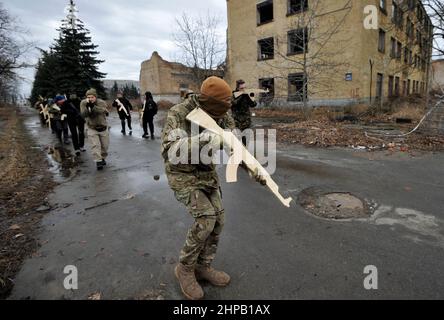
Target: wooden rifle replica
[(239, 153), (252, 93), (121, 107)]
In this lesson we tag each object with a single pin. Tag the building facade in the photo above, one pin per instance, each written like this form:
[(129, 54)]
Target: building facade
[(329, 52), (438, 75), (166, 80)]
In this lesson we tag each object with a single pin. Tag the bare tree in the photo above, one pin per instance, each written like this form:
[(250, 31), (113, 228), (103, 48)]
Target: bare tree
[(305, 52), (435, 8), (13, 48), (201, 46)]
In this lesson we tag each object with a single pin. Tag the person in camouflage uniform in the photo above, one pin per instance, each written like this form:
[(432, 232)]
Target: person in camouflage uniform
[(241, 108), (95, 112), (197, 186)]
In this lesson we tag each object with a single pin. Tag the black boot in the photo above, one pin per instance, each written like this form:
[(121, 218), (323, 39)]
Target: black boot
[(99, 166)]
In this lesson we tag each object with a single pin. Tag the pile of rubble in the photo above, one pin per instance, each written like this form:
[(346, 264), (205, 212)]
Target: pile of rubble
[(327, 133)]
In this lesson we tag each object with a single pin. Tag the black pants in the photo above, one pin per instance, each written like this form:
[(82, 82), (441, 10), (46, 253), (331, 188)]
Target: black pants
[(61, 129), (148, 121), (123, 121), (77, 133)]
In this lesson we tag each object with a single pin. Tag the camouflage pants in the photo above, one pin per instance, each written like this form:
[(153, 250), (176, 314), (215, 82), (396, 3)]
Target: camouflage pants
[(203, 237)]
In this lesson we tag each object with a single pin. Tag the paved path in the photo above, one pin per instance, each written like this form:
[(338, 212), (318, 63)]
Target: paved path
[(123, 230)]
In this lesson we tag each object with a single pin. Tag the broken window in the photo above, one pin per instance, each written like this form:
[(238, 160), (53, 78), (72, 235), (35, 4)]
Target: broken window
[(397, 86), (399, 50), (297, 87), (379, 83), (393, 48), (390, 86), (266, 49), (266, 84), (397, 14), (297, 41), (265, 12), (296, 6), (381, 42)]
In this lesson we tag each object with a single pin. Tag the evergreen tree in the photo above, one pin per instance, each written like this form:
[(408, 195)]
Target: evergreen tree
[(74, 61), (45, 78), (126, 91), (114, 90), (134, 92)]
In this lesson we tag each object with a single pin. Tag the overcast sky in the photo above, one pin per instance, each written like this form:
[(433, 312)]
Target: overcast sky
[(127, 32)]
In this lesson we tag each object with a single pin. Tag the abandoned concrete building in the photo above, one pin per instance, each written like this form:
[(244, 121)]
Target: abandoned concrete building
[(166, 80), (321, 51), (438, 75)]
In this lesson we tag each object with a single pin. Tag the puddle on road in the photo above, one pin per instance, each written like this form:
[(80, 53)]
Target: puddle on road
[(63, 163)]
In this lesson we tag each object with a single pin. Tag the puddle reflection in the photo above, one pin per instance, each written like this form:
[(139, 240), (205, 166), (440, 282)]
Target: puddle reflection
[(64, 162)]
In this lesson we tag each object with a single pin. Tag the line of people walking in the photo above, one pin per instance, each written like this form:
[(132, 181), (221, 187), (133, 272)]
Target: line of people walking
[(64, 115)]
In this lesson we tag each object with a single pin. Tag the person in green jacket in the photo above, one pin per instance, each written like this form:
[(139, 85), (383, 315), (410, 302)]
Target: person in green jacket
[(95, 112)]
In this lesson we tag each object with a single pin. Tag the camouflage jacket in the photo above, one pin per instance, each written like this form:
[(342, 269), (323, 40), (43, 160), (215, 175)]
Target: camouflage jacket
[(97, 117), (241, 111), (188, 177)]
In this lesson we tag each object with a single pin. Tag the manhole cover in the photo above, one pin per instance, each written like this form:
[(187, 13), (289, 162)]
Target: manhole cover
[(333, 205)]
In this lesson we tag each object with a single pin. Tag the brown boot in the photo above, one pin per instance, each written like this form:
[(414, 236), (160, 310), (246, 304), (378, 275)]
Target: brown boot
[(188, 283), (216, 278)]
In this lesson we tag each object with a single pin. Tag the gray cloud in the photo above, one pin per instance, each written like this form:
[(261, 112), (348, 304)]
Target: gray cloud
[(127, 32)]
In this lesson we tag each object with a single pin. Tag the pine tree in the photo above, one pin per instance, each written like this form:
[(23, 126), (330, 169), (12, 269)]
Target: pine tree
[(134, 92), (114, 90), (126, 91), (74, 61), (45, 80)]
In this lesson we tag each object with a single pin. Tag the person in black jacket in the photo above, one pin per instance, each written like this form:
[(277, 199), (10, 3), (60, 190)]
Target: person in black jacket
[(75, 101), (149, 110), (124, 108), (72, 116)]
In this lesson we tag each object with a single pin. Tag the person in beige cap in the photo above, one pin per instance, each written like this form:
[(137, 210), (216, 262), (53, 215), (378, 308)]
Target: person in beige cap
[(197, 186), (95, 112)]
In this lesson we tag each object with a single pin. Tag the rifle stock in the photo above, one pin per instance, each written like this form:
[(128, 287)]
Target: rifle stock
[(239, 153), (251, 92)]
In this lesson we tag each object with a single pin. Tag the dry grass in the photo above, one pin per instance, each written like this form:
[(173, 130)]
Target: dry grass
[(24, 184)]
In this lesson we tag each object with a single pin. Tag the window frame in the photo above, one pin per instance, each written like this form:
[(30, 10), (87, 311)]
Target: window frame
[(383, 47), (289, 46), (260, 5), (303, 9), (260, 54), (296, 97)]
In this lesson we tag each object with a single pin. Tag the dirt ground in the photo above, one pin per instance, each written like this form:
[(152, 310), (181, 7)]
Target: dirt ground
[(25, 183), (359, 127)]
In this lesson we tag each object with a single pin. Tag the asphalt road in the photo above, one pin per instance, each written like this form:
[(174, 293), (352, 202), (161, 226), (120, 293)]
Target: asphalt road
[(123, 230)]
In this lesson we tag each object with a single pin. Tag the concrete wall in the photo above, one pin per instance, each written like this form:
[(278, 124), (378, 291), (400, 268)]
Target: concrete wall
[(438, 75), (347, 51), (161, 77)]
